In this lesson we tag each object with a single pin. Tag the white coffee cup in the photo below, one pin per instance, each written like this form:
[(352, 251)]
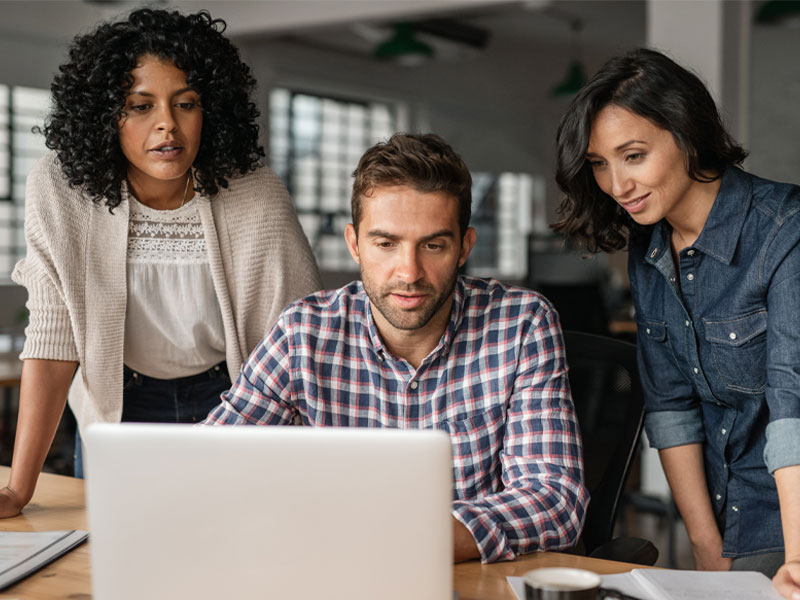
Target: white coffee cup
[(561, 583)]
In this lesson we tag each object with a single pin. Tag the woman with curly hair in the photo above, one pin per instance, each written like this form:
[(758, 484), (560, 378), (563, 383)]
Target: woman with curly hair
[(645, 163), (159, 251)]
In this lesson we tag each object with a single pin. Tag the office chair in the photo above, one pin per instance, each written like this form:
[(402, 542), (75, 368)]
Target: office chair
[(604, 378)]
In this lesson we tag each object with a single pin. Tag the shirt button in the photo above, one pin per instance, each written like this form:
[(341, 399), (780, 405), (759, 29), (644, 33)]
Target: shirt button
[(732, 335), (648, 330), (654, 252), (687, 323), (724, 431), (414, 385), (719, 497), (672, 279), (696, 370), (690, 253), (735, 508), (690, 277)]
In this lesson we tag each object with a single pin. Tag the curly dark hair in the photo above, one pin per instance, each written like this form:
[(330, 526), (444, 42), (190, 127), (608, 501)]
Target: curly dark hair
[(421, 161), (648, 84), (90, 90)]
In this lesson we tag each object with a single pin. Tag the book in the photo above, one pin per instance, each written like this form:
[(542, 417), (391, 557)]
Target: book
[(671, 584), (25, 552)]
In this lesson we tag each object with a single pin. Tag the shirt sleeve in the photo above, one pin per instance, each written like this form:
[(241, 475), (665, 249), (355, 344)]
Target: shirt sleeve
[(49, 332), (782, 393), (672, 409), (543, 501), (261, 394)]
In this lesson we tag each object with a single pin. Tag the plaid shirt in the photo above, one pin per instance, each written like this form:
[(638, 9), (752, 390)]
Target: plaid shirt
[(496, 382)]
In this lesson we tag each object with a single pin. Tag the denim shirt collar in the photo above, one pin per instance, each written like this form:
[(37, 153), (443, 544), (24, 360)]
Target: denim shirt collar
[(723, 228)]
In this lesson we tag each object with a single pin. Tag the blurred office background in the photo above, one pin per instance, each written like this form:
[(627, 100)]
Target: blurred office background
[(491, 76)]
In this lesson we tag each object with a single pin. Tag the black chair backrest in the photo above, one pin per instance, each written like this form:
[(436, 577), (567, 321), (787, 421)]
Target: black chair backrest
[(605, 384)]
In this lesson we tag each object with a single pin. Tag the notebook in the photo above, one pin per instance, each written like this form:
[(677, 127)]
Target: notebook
[(243, 512)]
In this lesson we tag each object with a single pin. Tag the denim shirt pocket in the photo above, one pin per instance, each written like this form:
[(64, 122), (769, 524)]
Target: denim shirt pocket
[(739, 347), (655, 331)]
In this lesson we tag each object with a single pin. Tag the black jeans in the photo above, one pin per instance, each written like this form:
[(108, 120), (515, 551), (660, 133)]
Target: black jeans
[(149, 400)]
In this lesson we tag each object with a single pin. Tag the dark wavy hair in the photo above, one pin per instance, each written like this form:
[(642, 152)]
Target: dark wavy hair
[(90, 90), (422, 161), (652, 86)]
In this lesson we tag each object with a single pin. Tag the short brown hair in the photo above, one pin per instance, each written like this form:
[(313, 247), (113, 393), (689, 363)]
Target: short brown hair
[(423, 161)]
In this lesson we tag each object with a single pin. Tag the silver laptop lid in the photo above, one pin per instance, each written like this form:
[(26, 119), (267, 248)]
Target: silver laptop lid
[(268, 512)]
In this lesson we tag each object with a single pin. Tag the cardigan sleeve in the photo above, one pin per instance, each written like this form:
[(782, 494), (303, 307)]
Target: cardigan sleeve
[(49, 333)]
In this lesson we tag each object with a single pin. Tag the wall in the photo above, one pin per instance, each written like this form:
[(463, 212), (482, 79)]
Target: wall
[(775, 103)]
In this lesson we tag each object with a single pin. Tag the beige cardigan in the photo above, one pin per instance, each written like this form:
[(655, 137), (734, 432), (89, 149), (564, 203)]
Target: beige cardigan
[(75, 274)]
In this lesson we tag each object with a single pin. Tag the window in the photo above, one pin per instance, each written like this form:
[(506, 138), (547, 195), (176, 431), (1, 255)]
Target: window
[(315, 144), (20, 110)]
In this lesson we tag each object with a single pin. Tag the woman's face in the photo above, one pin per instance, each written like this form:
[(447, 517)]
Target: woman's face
[(640, 166), (159, 132)]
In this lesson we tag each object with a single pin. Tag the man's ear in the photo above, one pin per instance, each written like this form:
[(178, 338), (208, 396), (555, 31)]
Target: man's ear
[(467, 243), (351, 237)]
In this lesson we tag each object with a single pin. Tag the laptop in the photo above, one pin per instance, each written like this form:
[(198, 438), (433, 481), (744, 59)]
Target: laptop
[(238, 512)]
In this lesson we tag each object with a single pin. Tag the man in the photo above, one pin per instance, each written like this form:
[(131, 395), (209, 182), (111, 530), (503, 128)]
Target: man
[(415, 345)]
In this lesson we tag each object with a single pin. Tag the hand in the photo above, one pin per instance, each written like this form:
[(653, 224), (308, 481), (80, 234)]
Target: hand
[(10, 503), (787, 580), (708, 557)]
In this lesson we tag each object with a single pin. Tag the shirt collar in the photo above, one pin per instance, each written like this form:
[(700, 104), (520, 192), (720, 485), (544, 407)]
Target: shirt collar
[(720, 235), (453, 323)]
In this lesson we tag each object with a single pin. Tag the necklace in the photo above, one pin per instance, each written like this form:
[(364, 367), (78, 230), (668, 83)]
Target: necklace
[(186, 189)]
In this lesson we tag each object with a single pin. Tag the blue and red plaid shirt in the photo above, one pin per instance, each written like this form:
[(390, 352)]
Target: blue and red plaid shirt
[(496, 382)]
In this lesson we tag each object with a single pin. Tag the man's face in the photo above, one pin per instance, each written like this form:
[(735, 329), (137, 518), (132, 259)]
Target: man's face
[(409, 248)]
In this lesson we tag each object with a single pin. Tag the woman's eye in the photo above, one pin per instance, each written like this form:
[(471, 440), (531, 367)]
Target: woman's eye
[(595, 164), (139, 107), (186, 105), (636, 156)]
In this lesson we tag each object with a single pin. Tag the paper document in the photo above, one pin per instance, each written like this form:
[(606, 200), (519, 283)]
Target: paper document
[(24, 552), (671, 584)]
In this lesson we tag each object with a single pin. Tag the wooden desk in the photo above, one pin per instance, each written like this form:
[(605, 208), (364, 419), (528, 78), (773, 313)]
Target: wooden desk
[(59, 503)]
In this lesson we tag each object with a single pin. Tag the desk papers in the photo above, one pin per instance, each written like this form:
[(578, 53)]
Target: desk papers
[(669, 584), (24, 552)]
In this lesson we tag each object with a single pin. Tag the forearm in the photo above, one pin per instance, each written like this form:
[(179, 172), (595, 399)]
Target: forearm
[(43, 395), (684, 468), (787, 480)]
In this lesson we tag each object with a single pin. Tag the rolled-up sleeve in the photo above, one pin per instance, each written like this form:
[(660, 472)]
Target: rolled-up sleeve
[(543, 502), (783, 357)]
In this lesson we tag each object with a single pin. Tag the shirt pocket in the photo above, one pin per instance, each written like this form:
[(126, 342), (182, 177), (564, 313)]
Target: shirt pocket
[(739, 348), (476, 444)]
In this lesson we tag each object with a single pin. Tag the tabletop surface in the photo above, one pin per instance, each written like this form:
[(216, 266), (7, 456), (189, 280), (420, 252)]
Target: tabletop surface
[(59, 503)]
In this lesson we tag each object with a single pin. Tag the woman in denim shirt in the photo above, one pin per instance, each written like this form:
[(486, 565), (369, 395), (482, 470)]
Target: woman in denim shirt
[(714, 262)]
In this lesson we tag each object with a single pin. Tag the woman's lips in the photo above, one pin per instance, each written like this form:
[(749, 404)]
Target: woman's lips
[(637, 205), (167, 151)]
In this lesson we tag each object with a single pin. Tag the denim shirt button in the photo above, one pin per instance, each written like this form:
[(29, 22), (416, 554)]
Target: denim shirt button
[(687, 323), (732, 335), (648, 330), (696, 370), (690, 277), (719, 497), (690, 253), (735, 508), (654, 252), (724, 431)]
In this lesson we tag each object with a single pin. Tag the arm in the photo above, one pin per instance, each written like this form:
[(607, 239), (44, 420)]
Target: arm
[(542, 500), (43, 395), (683, 466), (782, 452), (261, 394), (787, 579)]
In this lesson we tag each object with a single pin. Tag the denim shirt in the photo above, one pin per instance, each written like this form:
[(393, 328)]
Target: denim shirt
[(719, 350)]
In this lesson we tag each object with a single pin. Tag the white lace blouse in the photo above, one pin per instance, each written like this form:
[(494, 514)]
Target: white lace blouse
[(173, 323)]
